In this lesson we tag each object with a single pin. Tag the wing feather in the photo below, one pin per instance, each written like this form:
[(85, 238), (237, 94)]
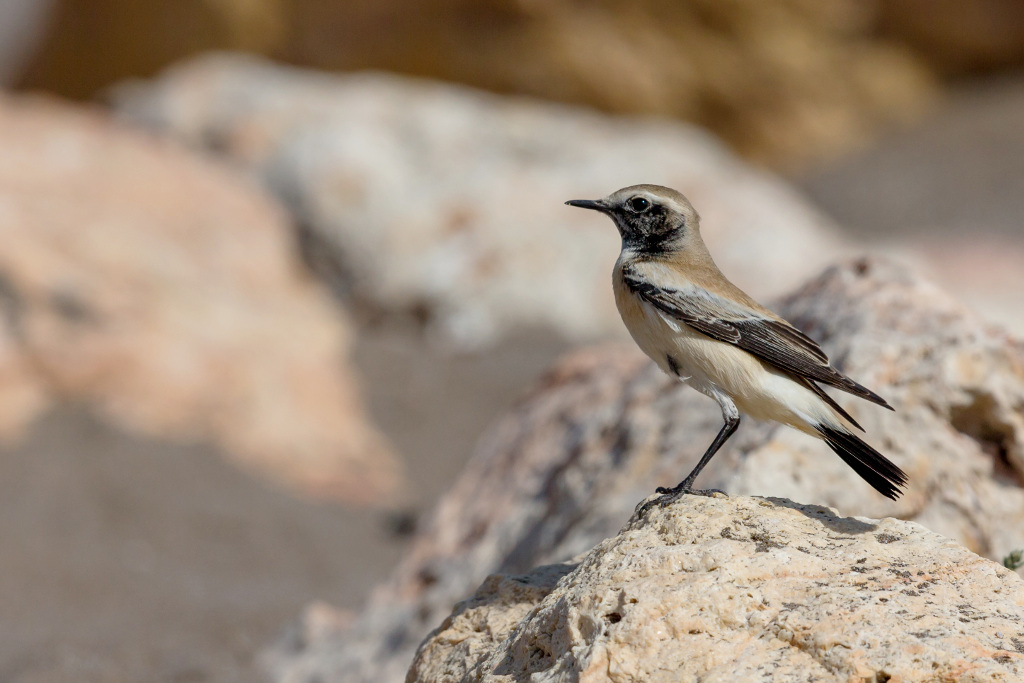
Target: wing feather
[(773, 341)]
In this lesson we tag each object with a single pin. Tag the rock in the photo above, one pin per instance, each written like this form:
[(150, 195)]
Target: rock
[(565, 468), (163, 291), (431, 198), (743, 589), (983, 272), (784, 80)]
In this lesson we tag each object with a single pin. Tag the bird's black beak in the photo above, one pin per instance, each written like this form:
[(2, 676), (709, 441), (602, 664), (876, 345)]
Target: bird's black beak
[(594, 204)]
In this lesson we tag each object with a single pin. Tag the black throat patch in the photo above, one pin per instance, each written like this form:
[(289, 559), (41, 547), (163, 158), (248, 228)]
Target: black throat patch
[(647, 235)]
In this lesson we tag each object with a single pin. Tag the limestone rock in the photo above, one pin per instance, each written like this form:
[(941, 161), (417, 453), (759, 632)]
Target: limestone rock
[(565, 468), (162, 290), (426, 197), (743, 589)]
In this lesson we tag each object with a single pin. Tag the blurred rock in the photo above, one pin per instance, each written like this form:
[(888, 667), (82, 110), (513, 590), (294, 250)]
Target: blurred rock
[(429, 198), (742, 589), (781, 80), (983, 271), (565, 469), (958, 36), (162, 291)]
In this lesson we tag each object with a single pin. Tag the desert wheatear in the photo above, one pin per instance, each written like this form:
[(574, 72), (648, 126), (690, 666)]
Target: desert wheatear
[(702, 329)]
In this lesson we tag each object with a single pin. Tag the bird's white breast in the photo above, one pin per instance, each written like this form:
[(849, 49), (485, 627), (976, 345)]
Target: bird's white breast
[(708, 365)]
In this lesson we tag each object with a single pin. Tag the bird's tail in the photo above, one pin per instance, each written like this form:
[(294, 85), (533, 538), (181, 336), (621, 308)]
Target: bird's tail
[(873, 467)]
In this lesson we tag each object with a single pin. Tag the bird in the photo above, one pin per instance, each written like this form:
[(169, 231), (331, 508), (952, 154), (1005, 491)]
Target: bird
[(703, 330)]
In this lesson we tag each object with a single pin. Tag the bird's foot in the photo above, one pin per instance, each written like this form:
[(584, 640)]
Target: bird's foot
[(671, 495), (677, 491)]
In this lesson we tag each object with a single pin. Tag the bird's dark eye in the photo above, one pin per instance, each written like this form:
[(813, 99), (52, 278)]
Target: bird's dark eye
[(638, 204)]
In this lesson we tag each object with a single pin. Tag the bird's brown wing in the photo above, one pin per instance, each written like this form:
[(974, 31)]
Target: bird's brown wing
[(774, 341)]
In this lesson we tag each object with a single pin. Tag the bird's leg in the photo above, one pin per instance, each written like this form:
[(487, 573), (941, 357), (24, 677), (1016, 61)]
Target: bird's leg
[(670, 495), (685, 486)]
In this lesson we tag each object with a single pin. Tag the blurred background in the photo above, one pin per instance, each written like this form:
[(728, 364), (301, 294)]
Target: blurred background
[(271, 267)]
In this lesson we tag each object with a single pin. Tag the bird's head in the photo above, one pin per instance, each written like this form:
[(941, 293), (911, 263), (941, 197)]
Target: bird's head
[(652, 220)]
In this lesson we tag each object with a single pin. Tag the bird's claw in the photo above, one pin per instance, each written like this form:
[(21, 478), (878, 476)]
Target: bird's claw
[(667, 496)]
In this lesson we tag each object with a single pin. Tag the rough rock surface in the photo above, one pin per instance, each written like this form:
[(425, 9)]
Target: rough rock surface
[(426, 197), (743, 589), (164, 292), (565, 469)]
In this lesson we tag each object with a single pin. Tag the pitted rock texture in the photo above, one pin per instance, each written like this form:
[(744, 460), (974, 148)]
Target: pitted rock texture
[(743, 589), (165, 293), (565, 468), (427, 197)]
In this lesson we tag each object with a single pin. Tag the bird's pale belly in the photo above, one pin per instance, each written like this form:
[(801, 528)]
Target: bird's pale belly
[(708, 365)]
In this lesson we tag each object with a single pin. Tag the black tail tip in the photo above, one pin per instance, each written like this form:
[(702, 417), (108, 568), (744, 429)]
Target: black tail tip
[(873, 467)]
